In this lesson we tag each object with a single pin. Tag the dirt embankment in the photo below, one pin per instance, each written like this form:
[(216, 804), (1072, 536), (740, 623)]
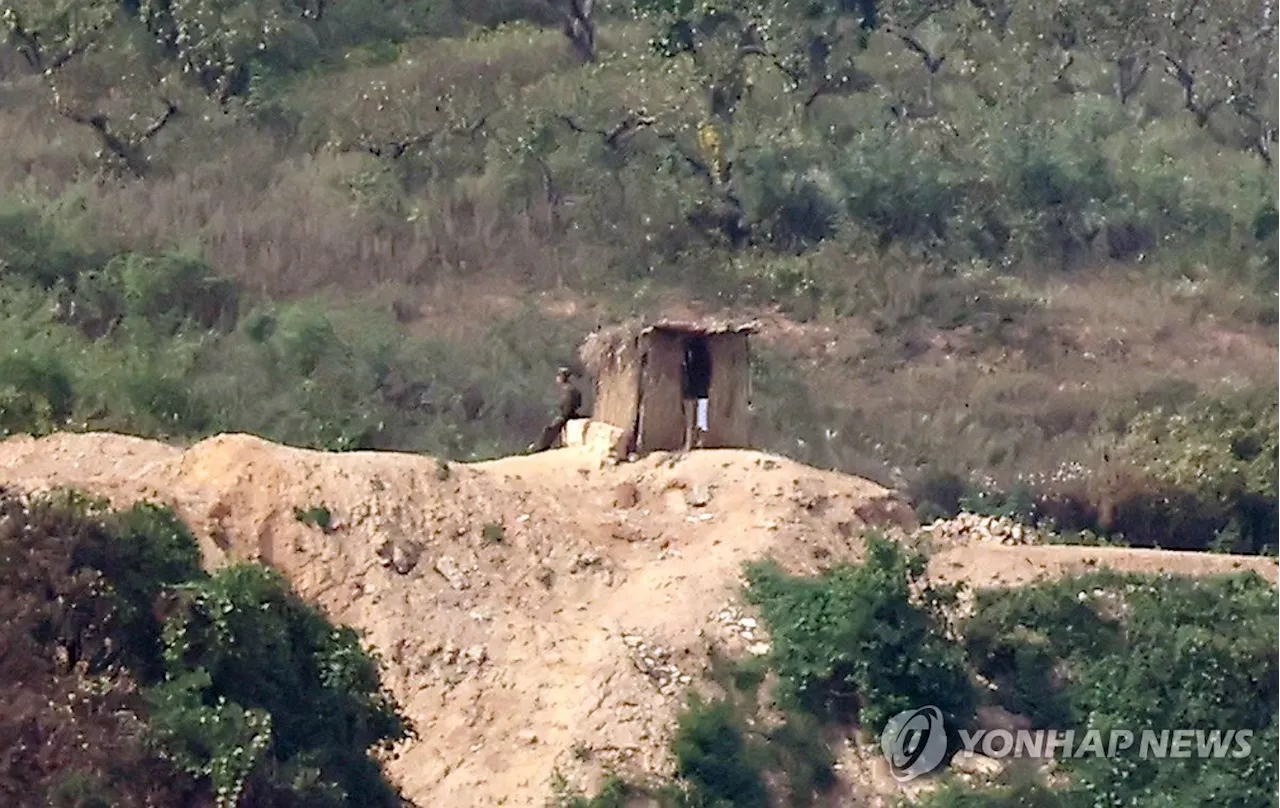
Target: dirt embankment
[(531, 612)]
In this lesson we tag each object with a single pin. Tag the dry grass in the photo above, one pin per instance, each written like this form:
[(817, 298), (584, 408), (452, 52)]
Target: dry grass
[(1038, 400), (888, 363), (287, 222)]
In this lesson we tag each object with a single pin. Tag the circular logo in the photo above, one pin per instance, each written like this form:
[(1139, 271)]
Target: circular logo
[(914, 742)]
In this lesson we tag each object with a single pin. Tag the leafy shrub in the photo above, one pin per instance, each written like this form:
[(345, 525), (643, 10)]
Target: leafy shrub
[(36, 393), (1213, 467), (35, 250), (713, 755), (855, 644), (243, 692), (253, 644), (70, 715), (173, 287), (142, 551), (1020, 795), (1142, 652), (222, 742)]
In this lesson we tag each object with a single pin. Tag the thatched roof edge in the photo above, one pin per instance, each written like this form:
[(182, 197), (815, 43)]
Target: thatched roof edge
[(705, 327), (618, 344)]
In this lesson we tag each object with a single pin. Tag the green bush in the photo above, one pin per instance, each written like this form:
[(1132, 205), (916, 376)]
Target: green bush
[(36, 393), (140, 344), (713, 755), (1021, 795), (1214, 468), (1142, 652), (253, 644), (33, 249), (247, 689), (145, 551), (173, 287), (854, 644)]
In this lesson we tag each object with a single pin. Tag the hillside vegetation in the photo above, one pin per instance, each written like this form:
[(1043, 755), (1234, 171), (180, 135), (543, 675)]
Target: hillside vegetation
[(1091, 652), (997, 242), (1001, 232), (134, 679)]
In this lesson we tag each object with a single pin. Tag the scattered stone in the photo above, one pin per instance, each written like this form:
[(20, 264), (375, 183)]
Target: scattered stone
[(698, 496), (626, 495), (448, 568), (400, 555), (527, 736), (655, 662), (977, 765), (813, 501), (584, 561), (758, 649), (972, 526), (627, 533)]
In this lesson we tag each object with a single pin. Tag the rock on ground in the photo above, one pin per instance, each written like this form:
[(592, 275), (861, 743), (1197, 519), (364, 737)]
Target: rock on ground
[(531, 612)]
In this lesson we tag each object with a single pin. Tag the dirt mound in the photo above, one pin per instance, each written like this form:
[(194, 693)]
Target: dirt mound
[(532, 612)]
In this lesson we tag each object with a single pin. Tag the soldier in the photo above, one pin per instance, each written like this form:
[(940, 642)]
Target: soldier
[(569, 407)]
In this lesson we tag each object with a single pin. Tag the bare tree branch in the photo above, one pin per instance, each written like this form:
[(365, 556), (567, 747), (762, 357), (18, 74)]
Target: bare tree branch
[(395, 149), (33, 50), (931, 63), (1179, 20), (578, 24), (1131, 70), (171, 110), (616, 136), (1198, 107), (125, 151)]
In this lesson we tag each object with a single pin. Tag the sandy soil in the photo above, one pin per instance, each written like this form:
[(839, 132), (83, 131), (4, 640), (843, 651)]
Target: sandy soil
[(535, 612)]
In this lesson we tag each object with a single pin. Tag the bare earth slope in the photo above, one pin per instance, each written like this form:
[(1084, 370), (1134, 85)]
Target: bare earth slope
[(527, 609)]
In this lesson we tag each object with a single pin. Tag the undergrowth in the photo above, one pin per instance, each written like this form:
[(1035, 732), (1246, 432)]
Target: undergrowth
[(184, 687), (856, 645)]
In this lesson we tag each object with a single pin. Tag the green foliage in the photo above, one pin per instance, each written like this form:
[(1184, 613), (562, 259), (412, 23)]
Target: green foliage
[(79, 789), (155, 345), (617, 792), (150, 550), (247, 689), (36, 394), (172, 287), (1214, 465), (730, 751), (713, 755), (32, 249), (855, 643), (1020, 795), (222, 742), (315, 515), (263, 649), (1106, 651)]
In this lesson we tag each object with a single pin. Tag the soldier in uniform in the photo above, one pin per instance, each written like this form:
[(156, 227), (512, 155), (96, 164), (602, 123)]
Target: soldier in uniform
[(569, 406)]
